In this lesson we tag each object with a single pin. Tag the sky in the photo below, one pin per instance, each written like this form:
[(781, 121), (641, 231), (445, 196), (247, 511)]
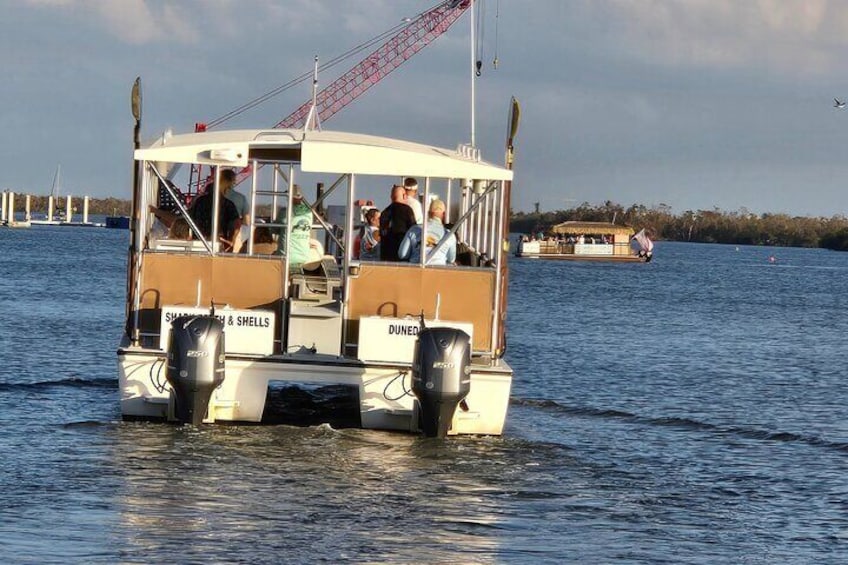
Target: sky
[(691, 104)]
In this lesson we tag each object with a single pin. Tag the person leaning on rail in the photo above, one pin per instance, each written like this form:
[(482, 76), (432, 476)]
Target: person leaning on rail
[(229, 221), (304, 250), (228, 217)]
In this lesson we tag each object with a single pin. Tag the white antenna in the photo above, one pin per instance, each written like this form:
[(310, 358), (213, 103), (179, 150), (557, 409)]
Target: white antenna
[(313, 121)]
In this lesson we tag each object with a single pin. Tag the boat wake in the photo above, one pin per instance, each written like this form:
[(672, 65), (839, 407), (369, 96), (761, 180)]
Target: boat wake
[(70, 382), (681, 424), (91, 424)]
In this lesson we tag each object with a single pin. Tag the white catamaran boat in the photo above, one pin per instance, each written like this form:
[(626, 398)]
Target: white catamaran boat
[(209, 330)]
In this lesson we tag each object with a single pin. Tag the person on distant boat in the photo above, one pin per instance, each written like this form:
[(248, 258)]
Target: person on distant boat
[(411, 247), (369, 237), (410, 185), (395, 221)]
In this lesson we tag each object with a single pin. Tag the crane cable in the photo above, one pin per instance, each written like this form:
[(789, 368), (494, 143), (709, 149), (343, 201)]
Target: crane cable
[(406, 22), (497, 19), (481, 29)]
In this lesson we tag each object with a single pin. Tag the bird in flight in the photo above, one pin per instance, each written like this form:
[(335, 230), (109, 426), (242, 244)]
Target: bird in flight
[(837, 103)]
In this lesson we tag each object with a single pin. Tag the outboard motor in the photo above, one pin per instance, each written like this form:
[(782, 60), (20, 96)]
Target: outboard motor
[(195, 364), (440, 376)]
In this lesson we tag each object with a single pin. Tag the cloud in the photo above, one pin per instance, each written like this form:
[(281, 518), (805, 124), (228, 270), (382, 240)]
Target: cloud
[(779, 35), (140, 22), (135, 22)]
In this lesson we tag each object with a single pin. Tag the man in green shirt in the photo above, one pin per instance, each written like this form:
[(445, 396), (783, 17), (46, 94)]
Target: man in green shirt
[(301, 230)]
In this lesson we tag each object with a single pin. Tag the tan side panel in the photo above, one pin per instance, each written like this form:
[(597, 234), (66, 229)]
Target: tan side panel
[(241, 282), (390, 290)]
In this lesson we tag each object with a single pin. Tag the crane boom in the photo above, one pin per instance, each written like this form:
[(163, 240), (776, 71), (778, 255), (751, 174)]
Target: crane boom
[(411, 39), (378, 64)]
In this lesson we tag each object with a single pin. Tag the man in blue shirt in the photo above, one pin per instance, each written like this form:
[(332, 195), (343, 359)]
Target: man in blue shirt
[(410, 246), (228, 180)]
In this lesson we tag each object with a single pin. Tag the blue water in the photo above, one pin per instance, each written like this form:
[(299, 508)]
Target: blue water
[(689, 410)]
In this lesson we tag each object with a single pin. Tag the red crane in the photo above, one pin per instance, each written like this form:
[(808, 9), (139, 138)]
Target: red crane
[(376, 66), (411, 39)]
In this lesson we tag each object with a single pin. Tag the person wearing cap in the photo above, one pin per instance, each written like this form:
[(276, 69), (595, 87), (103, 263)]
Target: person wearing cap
[(410, 246), (301, 250), (395, 221), (410, 185)]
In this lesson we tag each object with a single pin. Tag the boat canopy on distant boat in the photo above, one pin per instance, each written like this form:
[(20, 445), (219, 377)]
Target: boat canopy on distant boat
[(584, 240)]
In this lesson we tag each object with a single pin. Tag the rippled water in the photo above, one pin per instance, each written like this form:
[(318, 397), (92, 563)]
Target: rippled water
[(690, 410)]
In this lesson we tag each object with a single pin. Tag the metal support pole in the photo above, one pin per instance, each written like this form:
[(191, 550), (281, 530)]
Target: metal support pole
[(254, 169), (425, 218)]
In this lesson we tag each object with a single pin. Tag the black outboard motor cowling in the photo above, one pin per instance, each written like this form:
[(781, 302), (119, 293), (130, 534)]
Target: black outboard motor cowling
[(440, 376), (195, 364)]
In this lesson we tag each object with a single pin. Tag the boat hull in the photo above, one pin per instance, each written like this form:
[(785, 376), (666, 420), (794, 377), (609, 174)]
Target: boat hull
[(557, 249), (574, 257), (385, 398)]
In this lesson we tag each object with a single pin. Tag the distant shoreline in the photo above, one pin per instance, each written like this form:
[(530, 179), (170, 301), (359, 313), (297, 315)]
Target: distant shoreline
[(701, 226)]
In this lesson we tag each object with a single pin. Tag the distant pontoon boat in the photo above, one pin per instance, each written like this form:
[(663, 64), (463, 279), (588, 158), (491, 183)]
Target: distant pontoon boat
[(588, 241)]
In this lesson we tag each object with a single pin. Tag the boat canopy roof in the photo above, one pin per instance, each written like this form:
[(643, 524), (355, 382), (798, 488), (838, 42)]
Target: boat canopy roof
[(321, 151), (591, 227)]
